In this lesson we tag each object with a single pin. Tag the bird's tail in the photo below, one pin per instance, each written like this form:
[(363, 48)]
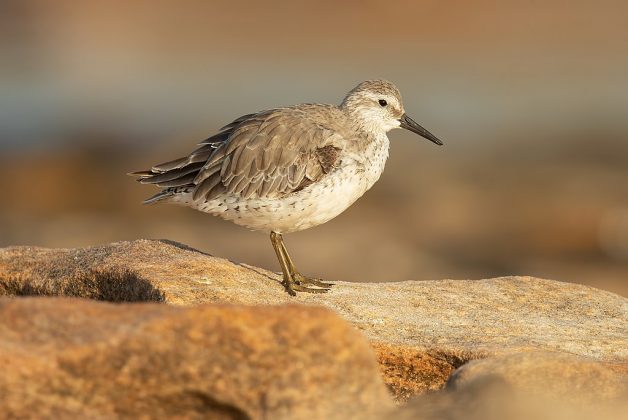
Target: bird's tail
[(146, 177)]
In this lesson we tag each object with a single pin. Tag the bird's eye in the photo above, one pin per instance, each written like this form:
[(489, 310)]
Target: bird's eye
[(383, 102)]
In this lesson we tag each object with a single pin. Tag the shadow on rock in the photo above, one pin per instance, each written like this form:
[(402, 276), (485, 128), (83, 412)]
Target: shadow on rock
[(112, 285)]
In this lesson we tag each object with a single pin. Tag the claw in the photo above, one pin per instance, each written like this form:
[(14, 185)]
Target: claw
[(289, 288)]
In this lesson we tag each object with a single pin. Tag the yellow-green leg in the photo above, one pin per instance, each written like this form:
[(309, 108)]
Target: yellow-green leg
[(293, 280)]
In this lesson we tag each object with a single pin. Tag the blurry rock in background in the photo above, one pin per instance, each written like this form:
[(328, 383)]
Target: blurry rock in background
[(530, 101)]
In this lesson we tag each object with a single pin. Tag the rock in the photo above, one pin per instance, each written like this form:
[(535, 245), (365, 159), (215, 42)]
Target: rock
[(72, 358), (491, 398), (558, 376), (410, 371), (422, 330)]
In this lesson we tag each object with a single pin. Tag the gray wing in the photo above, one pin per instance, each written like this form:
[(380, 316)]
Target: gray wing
[(265, 155)]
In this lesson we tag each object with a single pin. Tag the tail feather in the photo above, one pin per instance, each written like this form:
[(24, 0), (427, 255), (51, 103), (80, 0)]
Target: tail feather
[(140, 173), (173, 182), (160, 196), (178, 175)]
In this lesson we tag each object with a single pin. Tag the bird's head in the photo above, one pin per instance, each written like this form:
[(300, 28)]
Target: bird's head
[(377, 107)]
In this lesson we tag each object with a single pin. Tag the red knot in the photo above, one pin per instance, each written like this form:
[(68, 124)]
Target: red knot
[(287, 169)]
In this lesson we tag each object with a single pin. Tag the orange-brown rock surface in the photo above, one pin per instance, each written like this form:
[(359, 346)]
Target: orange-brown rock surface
[(70, 358), (422, 331)]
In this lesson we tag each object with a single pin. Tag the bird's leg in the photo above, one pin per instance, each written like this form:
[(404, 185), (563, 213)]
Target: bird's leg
[(288, 280), (296, 276)]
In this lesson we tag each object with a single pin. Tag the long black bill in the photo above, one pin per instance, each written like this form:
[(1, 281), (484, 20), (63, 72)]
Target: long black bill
[(411, 125)]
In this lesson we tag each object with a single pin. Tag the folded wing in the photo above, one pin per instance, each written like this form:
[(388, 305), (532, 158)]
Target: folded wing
[(265, 155)]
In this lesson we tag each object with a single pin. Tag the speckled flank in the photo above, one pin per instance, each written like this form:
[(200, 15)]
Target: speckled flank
[(315, 204)]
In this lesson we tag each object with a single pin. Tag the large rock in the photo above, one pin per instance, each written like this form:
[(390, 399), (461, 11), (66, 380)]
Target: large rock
[(421, 330), (558, 376), (71, 358)]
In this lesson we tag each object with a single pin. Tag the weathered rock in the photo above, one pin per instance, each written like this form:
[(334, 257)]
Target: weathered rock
[(410, 371), (559, 376), (71, 358), (491, 398), (422, 330)]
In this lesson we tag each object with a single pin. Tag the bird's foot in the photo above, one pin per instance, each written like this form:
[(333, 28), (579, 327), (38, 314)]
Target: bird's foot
[(301, 279), (297, 281)]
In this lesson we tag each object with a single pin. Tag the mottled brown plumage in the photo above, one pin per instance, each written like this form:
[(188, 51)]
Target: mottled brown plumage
[(265, 155)]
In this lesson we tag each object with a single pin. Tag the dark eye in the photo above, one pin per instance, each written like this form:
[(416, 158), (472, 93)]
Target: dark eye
[(383, 102)]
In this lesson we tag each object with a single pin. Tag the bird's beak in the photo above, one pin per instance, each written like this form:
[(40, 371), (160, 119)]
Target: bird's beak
[(409, 124)]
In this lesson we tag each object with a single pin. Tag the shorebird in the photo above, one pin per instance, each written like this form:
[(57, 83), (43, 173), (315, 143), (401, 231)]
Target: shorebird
[(287, 169)]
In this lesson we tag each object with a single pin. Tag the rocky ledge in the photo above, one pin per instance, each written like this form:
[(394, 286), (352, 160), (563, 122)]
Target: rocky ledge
[(283, 358)]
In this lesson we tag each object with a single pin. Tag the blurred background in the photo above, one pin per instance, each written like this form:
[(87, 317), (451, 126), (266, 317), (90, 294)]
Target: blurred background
[(530, 97)]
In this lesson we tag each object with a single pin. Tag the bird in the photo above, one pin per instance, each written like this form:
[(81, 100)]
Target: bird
[(287, 169)]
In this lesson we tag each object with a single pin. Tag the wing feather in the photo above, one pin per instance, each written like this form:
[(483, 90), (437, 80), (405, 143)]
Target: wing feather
[(204, 188), (172, 174), (265, 155)]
